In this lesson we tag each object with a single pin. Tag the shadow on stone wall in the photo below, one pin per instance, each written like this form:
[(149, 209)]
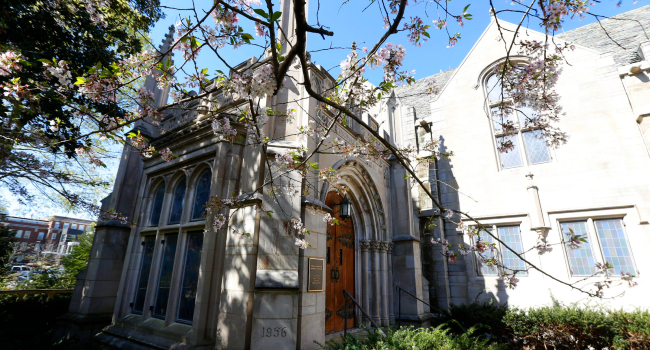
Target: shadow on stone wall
[(457, 282)]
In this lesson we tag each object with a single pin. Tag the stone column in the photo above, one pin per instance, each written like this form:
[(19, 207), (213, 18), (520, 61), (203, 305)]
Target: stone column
[(383, 246), (391, 302), (374, 248), (365, 288)]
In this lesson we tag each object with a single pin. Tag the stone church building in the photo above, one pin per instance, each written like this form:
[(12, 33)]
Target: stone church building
[(172, 282)]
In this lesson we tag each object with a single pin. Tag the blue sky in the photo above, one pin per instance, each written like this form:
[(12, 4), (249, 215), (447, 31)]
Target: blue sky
[(350, 22)]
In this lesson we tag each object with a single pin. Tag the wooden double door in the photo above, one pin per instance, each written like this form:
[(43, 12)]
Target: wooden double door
[(339, 269)]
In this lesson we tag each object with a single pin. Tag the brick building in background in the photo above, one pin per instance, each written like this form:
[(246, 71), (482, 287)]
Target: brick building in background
[(50, 235), (31, 235), (65, 231)]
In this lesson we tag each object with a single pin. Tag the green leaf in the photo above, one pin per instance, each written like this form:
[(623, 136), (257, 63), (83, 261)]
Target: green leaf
[(204, 71), (261, 13), (275, 16), (45, 60), (278, 46), (80, 81), (195, 43), (426, 34), (247, 38), (466, 7)]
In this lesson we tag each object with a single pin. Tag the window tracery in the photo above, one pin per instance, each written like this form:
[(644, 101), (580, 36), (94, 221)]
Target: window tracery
[(514, 135), (202, 194), (178, 201), (173, 277), (156, 208)]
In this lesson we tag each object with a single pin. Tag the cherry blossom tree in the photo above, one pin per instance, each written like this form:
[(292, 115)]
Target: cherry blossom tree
[(106, 99)]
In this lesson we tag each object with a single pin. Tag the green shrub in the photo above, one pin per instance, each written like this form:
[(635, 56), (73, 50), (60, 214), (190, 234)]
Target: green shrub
[(478, 326), (29, 324), (436, 338), (487, 319), (572, 327)]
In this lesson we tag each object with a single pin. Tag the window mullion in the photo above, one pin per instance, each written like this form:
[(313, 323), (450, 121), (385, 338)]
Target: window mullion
[(524, 147), (593, 237)]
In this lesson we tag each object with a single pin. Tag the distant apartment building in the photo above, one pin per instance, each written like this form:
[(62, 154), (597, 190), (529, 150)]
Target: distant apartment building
[(65, 232), (51, 235), (30, 236)]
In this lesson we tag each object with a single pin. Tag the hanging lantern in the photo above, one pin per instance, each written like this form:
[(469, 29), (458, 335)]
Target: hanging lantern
[(346, 208)]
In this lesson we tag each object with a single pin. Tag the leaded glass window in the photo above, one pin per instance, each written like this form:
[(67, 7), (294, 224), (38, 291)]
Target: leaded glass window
[(202, 195), (536, 147), (145, 269), (165, 277), (156, 208), (510, 158), (494, 89), (511, 236), (614, 245), (525, 139), (484, 269), (190, 280), (581, 259), (178, 201)]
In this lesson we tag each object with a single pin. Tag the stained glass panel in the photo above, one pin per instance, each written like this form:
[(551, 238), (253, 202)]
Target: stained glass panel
[(581, 260), (165, 279), (202, 195), (511, 236), (179, 200), (158, 198), (145, 269), (614, 245), (536, 147), (190, 280)]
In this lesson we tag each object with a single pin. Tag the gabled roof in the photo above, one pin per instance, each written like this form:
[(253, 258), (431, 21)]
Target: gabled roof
[(415, 94), (626, 31), (629, 29)]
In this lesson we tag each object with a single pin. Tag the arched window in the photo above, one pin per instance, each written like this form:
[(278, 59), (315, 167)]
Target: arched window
[(535, 150), (178, 201), (156, 208), (202, 194)]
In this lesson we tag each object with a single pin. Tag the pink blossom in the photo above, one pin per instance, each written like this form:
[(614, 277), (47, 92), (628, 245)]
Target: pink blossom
[(301, 243), (166, 155), (260, 29), (9, 63)]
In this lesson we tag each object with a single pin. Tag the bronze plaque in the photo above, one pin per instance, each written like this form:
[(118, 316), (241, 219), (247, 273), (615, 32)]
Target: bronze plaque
[(316, 269)]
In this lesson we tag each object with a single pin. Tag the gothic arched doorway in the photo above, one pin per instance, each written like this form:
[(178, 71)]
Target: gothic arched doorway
[(339, 269)]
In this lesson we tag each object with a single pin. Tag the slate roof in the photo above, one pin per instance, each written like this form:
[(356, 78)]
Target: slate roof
[(629, 29), (415, 94)]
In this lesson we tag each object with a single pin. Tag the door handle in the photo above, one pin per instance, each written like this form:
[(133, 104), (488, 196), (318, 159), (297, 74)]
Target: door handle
[(333, 274)]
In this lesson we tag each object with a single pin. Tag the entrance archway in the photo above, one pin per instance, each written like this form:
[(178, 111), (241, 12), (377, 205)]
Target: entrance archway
[(339, 268)]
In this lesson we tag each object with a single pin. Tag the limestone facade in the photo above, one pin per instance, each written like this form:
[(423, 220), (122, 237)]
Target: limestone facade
[(598, 177), (174, 282)]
